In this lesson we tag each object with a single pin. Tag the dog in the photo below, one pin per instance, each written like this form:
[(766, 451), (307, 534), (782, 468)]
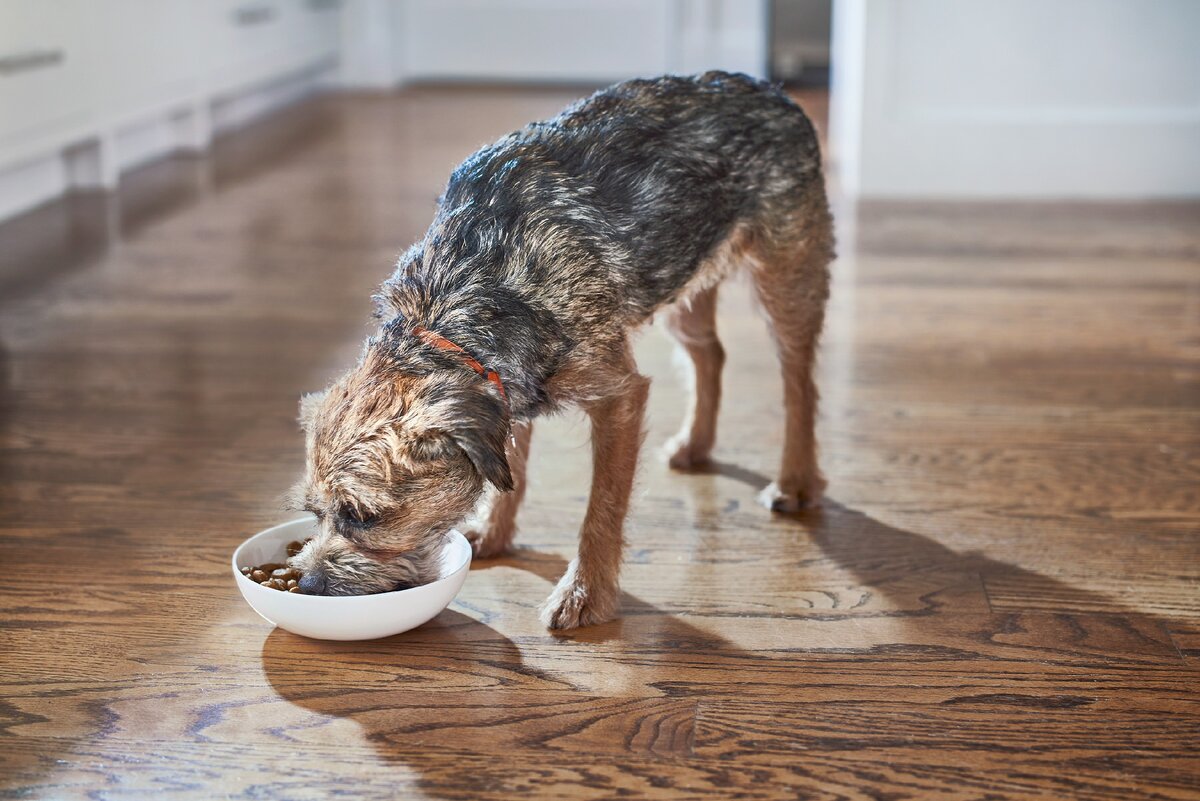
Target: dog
[(547, 250)]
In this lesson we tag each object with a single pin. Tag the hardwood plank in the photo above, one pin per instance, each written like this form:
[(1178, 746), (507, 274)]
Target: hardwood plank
[(1010, 746), (1186, 635), (1168, 598), (187, 770)]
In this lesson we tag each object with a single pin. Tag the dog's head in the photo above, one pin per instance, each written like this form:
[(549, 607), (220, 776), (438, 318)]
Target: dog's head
[(393, 461)]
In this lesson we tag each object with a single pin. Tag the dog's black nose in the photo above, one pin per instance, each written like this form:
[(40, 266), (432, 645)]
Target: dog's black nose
[(313, 583)]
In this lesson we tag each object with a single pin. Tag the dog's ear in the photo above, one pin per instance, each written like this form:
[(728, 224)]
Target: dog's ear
[(480, 427), (485, 448), (309, 404), (473, 420)]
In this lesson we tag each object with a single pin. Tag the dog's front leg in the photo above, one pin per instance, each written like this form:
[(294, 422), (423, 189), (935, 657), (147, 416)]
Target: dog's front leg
[(492, 528), (587, 593)]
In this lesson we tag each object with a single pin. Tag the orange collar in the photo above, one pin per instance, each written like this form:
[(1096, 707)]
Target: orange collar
[(440, 342)]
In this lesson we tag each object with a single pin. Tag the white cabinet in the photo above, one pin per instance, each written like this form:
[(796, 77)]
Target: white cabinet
[(150, 54), (47, 71), (120, 81), (257, 40)]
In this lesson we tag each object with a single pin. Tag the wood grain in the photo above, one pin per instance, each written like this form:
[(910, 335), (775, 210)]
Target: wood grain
[(1000, 597), (996, 745)]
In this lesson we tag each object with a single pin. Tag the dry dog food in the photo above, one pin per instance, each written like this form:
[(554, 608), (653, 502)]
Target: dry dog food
[(278, 576)]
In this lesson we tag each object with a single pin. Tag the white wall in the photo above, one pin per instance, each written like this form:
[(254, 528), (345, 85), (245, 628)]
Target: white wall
[(533, 40), (390, 42), (1022, 98)]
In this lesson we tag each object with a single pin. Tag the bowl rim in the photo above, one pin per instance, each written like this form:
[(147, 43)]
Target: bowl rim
[(293, 597)]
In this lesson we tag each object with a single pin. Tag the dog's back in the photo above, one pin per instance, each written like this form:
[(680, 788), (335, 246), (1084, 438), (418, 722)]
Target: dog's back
[(648, 177), (551, 243)]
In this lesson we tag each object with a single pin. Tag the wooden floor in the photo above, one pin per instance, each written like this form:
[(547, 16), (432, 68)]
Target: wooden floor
[(999, 599)]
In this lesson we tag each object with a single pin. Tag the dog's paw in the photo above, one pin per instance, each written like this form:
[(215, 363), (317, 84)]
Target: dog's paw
[(777, 500), (683, 455), (486, 544), (572, 605)]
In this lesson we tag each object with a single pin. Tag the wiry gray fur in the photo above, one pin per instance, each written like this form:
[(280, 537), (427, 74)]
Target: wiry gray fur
[(590, 221)]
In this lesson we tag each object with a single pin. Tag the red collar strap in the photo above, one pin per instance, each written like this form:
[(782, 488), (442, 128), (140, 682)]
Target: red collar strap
[(440, 342)]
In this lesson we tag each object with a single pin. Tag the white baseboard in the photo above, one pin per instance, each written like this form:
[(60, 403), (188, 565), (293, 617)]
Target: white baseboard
[(234, 111), (32, 183)]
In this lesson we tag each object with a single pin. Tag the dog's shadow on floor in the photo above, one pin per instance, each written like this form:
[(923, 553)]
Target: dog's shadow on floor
[(461, 686)]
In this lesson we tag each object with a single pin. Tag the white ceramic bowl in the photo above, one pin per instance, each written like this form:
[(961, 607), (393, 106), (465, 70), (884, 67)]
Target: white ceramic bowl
[(345, 617)]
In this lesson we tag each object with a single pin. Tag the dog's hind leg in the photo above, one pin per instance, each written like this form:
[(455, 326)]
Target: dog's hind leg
[(693, 322), (791, 277), (494, 524), (588, 591)]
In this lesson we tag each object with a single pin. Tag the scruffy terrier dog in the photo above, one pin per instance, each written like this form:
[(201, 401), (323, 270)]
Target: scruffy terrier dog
[(547, 250)]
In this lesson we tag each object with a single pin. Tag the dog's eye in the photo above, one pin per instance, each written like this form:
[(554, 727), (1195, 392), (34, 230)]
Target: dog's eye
[(356, 518)]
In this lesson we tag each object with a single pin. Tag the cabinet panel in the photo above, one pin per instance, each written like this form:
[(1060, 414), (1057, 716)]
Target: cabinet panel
[(257, 40), (152, 55), (46, 67)]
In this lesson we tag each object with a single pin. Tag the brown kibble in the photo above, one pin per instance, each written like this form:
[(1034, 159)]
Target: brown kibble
[(275, 576), (294, 547)]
